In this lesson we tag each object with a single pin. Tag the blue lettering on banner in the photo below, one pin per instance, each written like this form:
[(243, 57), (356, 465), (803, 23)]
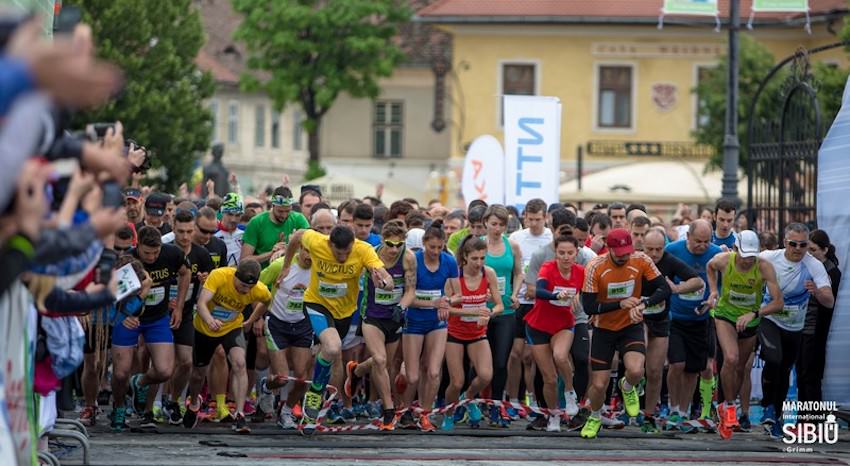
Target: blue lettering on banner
[(535, 139)]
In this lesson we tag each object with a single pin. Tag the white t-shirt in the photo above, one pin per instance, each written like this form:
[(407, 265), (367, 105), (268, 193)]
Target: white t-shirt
[(288, 303), (233, 241), (792, 277), (528, 245)]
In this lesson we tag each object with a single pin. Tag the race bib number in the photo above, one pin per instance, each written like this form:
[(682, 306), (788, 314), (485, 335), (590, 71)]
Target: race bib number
[(388, 298), (432, 296), (172, 293), (656, 309), (742, 299), (621, 290), (295, 303), (694, 295), (224, 315), (470, 318), (155, 296), (571, 292), (332, 290), (789, 310), (502, 281)]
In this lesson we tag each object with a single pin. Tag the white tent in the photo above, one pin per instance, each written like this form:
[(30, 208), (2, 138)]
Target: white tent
[(657, 182)]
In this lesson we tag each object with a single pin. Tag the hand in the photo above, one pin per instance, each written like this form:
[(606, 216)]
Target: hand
[(213, 323), (285, 180), (629, 303), (443, 313), (514, 302), (81, 183), (183, 191), (210, 188), (674, 288), (528, 293), (172, 304), (113, 140), (484, 321), (94, 287), (712, 300), (232, 179), (259, 327), (443, 303), (131, 323), (137, 156), (107, 221), (743, 321), (810, 285), (202, 277), (30, 203), (636, 313), (176, 319), (562, 295), (284, 271), (724, 248), (597, 243)]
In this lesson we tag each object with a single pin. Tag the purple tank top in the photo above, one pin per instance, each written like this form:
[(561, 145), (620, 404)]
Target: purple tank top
[(380, 303)]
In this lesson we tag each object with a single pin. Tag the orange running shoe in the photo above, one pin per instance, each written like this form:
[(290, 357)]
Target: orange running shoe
[(425, 424)]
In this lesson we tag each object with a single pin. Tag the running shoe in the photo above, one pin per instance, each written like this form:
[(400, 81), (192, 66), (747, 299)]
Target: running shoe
[(631, 399), (775, 431), (611, 421), (190, 417), (88, 416), (352, 381), (334, 415), (649, 425), (673, 421), (312, 406), (496, 419), (297, 412), (744, 424), (171, 409), (388, 420), (577, 421), (768, 417), (461, 415), (119, 419), (475, 415), (147, 421), (512, 413), (223, 414), (448, 422), (286, 420), (266, 399), (571, 408), (425, 424), (506, 418), (373, 410), (249, 408), (241, 424), (407, 421), (591, 427), (139, 393), (554, 423), (348, 415), (728, 421), (540, 423)]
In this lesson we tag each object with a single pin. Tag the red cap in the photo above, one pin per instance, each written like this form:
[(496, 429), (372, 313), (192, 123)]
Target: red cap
[(619, 242)]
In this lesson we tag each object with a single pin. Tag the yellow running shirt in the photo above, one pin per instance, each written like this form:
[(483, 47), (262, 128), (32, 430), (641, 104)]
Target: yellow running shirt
[(334, 285), (227, 304)]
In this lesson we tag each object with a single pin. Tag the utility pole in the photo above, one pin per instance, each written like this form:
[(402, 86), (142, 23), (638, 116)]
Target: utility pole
[(731, 144)]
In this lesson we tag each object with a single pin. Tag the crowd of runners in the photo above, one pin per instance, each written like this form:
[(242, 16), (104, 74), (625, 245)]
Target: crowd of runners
[(286, 309)]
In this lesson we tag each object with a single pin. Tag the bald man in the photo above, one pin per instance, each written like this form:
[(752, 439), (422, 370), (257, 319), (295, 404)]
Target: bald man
[(656, 318), (692, 340), (323, 221)]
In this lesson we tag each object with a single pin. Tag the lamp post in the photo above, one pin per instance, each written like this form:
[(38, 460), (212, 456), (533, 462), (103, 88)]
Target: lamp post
[(731, 144)]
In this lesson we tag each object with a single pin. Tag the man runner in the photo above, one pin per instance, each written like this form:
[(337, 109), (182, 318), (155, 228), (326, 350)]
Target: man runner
[(724, 219)]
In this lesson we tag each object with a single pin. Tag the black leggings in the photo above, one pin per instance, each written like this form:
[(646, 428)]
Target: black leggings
[(580, 351), (812, 359), (779, 350), (500, 333)]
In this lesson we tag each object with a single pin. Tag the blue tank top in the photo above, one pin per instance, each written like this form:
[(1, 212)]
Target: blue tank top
[(430, 285), (380, 303)]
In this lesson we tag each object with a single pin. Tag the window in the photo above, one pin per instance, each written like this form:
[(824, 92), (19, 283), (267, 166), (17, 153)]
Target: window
[(275, 129), (701, 116), (214, 112), (260, 126), (615, 97), (233, 123), (517, 79), (297, 131), (388, 125)]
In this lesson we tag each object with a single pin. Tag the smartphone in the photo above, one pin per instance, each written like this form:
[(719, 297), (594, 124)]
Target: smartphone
[(112, 195), (100, 129), (67, 19)]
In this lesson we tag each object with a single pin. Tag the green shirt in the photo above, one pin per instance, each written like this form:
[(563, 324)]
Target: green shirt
[(455, 239), (263, 234), (741, 292)]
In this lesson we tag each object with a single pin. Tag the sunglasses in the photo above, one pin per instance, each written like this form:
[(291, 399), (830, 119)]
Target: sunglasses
[(120, 249), (798, 244), (394, 244), (205, 231)]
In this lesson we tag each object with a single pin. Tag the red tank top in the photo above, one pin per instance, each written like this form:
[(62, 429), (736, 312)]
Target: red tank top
[(466, 327)]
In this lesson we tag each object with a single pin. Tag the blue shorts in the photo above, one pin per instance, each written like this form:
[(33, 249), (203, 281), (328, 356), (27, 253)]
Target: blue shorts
[(321, 319), (422, 322), (155, 331)]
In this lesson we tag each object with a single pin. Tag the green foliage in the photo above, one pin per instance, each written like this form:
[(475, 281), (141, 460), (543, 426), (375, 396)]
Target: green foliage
[(309, 51), (162, 107), (314, 170)]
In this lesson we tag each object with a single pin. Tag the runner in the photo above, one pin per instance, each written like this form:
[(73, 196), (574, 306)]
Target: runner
[(611, 294), (692, 341), (657, 319), (331, 298), (289, 335), (425, 325), (219, 321), (800, 276), (724, 219), (155, 213), (638, 227), (617, 214), (164, 263), (551, 324), (737, 313), (382, 322), (504, 257), (468, 329), (268, 232), (229, 230), (323, 221), (475, 225), (600, 225)]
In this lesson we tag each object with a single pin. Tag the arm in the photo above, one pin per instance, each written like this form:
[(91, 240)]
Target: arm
[(542, 291), (517, 273), (184, 278), (409, 295), (823, 292), (592, 307), (203, 310), (712, 269), (248, 253), (294, 245), (531, 276), (257, 314), (60, 300), (777, 302), (661, 293), (493, 281)]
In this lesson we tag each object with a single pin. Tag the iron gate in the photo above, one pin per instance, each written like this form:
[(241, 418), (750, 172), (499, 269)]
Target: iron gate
[(783, 146)]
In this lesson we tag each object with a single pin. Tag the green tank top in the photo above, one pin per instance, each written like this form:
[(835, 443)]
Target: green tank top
[(741, 292), (504, 267)]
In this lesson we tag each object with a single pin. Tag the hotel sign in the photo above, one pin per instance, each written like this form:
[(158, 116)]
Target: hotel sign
[(657, 50), (670, 149)]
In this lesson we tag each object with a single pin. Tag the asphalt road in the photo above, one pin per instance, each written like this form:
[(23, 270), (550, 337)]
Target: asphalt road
[(486, 446)]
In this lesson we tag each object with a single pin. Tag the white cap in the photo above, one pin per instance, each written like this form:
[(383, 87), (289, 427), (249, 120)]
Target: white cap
[(414, 239), (747, 243)]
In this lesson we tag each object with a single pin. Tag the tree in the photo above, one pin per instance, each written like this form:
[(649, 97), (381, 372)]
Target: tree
[(309, 51), (162, 105)]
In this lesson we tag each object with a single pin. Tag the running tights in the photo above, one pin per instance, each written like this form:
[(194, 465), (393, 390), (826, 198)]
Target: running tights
[(779, 349), (500, 333)]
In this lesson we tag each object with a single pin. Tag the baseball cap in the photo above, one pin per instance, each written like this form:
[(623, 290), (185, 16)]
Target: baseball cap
[(413, 241), (248, 272), (133, 193), (748, 243), (156, 202), (311, 187), (619, 241)]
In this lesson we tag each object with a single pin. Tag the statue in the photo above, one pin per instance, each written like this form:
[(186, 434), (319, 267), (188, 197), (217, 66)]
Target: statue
[(215, 171)]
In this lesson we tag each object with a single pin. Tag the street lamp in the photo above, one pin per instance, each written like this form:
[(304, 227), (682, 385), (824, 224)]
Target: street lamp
[(731, 144)]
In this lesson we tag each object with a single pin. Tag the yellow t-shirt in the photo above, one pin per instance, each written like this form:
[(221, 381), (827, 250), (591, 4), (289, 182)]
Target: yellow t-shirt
[(227, 304), (332, 284)]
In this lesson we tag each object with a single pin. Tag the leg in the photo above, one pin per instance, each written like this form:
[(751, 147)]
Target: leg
[(122, 363), (560, 346), (454, 361), (380, 379), (580, 352), (182, 372), (656, 352), (542, 355), (218, 377), (515, 367), (500, 335), (301, 363), (482, 362), (238, 376), (435, 344), (90, 379), (727, 337), (412, 348)]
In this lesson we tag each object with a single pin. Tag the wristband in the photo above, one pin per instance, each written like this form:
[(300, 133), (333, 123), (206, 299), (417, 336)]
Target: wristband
[(757, 313), (23, 244)]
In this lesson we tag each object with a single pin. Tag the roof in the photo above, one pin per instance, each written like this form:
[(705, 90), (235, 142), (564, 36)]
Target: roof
[(591, 11)]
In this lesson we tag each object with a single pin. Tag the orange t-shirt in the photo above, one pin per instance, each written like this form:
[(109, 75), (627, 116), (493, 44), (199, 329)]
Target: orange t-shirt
[(612, 284)]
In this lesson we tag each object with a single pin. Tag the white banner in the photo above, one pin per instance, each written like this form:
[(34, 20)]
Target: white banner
[(834, 217), (532, 149), (483, 171)]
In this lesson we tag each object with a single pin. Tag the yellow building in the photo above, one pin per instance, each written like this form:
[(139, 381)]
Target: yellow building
[(619, 77)]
